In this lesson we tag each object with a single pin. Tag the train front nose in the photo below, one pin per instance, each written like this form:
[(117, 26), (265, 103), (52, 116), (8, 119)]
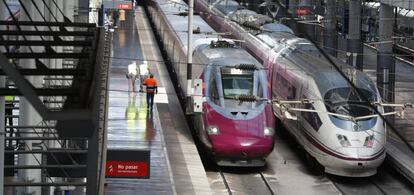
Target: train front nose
[(242, 146), (359, 162)]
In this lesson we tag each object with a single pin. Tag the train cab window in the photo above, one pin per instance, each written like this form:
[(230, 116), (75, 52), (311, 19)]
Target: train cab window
[(236, 82), (346, 101)]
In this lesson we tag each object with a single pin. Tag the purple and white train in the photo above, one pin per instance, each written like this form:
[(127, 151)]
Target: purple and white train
[(236, 133)]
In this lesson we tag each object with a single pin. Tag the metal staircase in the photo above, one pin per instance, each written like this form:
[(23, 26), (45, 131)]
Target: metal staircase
[(68, 145)]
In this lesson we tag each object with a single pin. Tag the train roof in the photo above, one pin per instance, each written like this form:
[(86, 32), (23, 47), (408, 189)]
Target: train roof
[(171, 10), (230, 56), (276, 27), (245, 15), (226, 6), (273, 39), (306, 58)]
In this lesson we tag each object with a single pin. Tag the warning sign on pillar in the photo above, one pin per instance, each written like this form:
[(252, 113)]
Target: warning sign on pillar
[(128, 164), (125, 6)]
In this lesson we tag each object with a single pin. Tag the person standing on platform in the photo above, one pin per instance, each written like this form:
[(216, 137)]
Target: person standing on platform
[(143, 74), (122, 18), (132, 75), (152, 89), (115, 17)]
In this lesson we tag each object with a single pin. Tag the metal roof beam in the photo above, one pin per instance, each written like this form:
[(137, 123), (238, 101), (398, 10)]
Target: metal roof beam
[(47, 33), (49, 72), (41, 92), (37, 23), (47, 43), (46, 55)]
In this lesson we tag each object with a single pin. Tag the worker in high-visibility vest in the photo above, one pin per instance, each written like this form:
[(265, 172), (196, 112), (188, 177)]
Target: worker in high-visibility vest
[(9, 104), (152, 89)]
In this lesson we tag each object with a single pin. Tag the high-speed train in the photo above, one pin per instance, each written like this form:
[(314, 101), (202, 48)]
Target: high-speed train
[(236, 133), (317, 105)]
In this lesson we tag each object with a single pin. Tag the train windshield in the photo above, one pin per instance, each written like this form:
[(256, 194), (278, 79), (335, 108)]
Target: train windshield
[(346, 101), (236, 82)]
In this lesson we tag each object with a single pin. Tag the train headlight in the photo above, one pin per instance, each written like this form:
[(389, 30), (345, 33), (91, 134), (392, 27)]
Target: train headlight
[(369, 141), (213, 130), (343, 140), (268, 131)]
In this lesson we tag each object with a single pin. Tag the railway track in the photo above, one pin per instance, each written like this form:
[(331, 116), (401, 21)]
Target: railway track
[(386, 182), (286, 173), (250, 183)]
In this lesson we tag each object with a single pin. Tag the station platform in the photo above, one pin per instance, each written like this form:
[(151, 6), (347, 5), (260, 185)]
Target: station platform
[(400, 155), (175, 165)]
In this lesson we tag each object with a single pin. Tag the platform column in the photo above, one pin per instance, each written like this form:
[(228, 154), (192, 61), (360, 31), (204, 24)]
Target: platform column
[(355, 47), (307, 4), (2, 121), (385, 58), (83, 11), (3, 16), (2, 134), (293, 5), (190, 40), (28, 116), (330, 35)]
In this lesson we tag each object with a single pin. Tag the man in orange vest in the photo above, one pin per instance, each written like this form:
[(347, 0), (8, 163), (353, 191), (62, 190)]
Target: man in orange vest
[(151, 84)]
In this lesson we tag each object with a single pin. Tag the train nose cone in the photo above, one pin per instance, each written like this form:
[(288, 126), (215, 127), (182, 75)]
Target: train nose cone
[(242, 146)]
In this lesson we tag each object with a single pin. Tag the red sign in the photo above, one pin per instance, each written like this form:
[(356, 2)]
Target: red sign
[(302, 11), (127, 169), (125, 6)]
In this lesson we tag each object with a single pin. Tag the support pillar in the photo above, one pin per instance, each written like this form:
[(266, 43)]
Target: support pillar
[(342, 12), (83, 11), (68, 9), (355, 47), (307, 4), (2, 136), (385, 58), (2, 115), (293, 5), (330, 34), (28, 116), (3, 16)]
